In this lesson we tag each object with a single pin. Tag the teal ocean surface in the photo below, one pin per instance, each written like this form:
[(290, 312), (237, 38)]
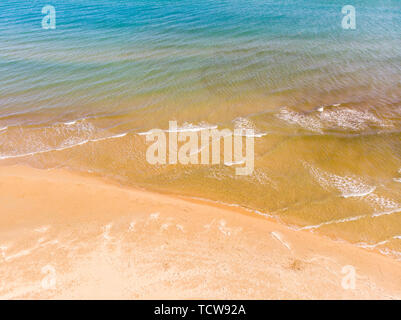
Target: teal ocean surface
[(325, 100)]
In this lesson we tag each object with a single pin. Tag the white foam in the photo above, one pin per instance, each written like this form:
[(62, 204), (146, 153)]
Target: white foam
[(355, 218), (374, 245), (3, 128), (380, 243), (349, 119), (144, 133), (382, 203), (349, 186), (303, 120), (242, 127), (322, 108), (245, 133), (69, 146), (354, 187), (70, 123), (379, 214), (359, 194), (332, 118), (189, 127), (262, 178), (112, 137), (233, 163), (316, 226), (186, 127), (398, 179)]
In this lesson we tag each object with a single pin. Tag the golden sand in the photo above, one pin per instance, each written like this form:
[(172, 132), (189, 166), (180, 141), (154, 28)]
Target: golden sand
[(66, 235)]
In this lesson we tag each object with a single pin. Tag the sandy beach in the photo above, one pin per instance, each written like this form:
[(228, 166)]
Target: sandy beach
[(66, 235)]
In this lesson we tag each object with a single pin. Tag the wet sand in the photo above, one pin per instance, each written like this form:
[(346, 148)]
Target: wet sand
[(68, 235)]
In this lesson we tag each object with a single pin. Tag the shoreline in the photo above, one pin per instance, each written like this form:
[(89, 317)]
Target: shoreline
[(100, 239)]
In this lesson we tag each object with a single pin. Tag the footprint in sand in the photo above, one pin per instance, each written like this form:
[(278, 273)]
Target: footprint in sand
[(3, 250), (131, 227), (222, 227), (164, 226), (208, 226), (106, 231), (154, 216), (42, 229)]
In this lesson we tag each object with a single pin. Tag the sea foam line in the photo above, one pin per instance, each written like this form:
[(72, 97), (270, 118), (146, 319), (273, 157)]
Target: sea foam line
[(3, 157), (348, 186), (386, 212), (355, 218), (189, 128), (316, 226), (70, 123), (254, 135), (359, 194), (233, 163), (380, 243)]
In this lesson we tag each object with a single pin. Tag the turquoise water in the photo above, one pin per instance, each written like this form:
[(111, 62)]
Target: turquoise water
[(327, 100), (115, 52)]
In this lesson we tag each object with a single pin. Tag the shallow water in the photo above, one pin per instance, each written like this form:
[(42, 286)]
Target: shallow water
[(325, 102)]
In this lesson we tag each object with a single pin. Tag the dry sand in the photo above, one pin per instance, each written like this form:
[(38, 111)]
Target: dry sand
[(66, 235)]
